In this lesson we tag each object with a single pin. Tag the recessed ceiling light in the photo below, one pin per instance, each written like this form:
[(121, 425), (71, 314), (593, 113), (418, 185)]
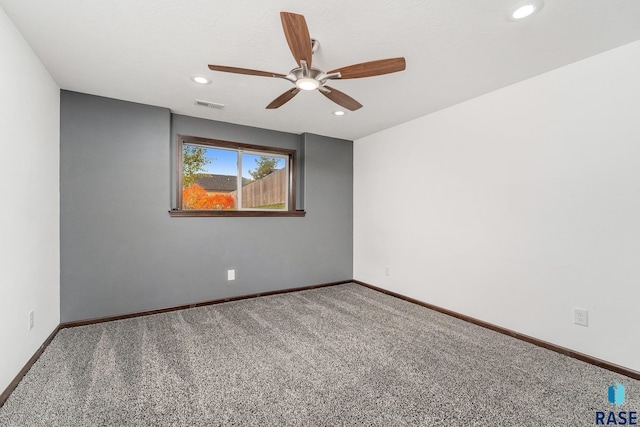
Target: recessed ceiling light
[(525, 9), (201, 80), (338, 113)]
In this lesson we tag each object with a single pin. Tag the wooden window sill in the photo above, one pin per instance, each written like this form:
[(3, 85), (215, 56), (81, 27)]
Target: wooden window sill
[(229, 213)]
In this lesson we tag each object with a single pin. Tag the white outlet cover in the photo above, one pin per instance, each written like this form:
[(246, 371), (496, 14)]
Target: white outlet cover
[(580, 316), (231, 275)]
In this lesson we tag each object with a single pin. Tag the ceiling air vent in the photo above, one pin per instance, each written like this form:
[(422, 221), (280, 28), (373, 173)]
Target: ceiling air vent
[(209, 104)]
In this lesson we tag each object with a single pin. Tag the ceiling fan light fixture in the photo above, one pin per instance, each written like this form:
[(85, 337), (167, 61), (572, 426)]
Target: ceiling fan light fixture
[(307, 84), (338, 113)]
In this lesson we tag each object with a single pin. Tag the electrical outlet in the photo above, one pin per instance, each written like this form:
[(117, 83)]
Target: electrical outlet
[(31, 319), (231, 275), (580, 316), (387, 271)]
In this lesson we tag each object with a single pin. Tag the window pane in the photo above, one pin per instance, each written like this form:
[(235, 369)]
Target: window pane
[(264, 181), (209, 177), (225, 178)]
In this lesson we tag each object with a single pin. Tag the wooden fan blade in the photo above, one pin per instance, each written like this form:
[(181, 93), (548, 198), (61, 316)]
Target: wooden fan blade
[(371, 68), (248, 71), (283, 99), (342, 99), (297, 34)]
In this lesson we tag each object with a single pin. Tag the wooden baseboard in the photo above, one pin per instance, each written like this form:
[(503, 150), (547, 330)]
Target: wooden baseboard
[(13, 384), (199, 304), (535, 341)]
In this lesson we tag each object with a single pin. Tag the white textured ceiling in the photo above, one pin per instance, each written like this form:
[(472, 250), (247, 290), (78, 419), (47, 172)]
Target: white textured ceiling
[(145, 50)]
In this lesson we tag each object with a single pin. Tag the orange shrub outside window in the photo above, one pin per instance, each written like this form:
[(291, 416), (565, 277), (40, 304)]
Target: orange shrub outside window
[(195, 197)]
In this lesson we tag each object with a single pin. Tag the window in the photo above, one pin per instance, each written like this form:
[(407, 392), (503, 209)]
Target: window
[(222, 178)]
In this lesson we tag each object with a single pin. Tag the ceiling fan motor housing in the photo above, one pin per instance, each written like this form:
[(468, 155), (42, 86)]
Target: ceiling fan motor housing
[(302, 75)]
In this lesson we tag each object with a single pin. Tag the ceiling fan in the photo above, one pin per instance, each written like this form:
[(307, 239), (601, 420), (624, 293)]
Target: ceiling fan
[(308, 77)]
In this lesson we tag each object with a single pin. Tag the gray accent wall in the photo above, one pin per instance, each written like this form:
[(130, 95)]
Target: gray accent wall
[(121, 252)]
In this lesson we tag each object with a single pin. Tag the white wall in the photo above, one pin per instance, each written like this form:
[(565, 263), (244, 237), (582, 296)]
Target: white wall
[(30, 213), (516, 206)]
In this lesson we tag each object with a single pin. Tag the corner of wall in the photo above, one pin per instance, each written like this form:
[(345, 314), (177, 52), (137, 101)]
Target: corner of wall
[(30, 268)]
